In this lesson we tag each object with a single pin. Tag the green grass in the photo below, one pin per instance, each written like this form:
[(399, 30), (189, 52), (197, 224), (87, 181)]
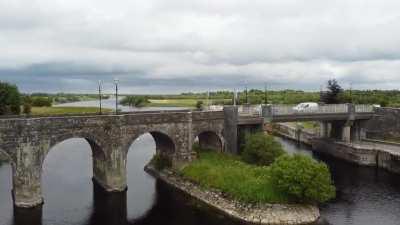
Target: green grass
[(65, 110), (241, 181)]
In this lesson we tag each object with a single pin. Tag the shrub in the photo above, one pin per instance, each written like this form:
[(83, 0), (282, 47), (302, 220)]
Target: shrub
[(304, 179), (261, 149), (160, 161), (135, 101), (199, 104), (41, 101)]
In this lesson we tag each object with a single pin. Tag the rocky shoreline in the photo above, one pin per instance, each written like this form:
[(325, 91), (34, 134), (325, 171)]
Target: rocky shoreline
[(271, 214)]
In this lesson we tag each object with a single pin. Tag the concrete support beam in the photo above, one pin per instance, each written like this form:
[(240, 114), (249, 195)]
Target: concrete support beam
[(324, 129), (111, 175), (231, 129), (346, 133)]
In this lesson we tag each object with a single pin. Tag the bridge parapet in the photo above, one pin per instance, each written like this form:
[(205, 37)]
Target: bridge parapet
[(286, 113)]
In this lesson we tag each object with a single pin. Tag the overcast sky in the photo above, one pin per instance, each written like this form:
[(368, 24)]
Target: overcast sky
[(168, 46)]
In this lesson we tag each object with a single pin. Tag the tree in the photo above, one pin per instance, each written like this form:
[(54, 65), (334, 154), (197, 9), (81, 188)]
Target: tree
[(333, 93), (42, 101), (303, 178), (135, 101), (261, 149), (10, 99), (199, 104)]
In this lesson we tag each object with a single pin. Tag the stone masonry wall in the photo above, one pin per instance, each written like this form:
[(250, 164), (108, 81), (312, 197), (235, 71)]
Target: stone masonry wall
[(27, 141)]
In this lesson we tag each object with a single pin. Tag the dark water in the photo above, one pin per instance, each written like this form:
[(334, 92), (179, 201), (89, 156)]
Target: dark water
[(365, 196)]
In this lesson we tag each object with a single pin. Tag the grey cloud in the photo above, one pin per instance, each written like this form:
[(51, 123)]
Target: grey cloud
[(168, 46)]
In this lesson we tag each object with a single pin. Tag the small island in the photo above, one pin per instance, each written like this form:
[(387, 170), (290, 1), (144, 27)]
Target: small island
[(263, 185)]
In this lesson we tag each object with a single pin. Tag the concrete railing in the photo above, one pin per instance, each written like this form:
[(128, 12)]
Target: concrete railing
[(250, 110), (364, 108), (322, 109)]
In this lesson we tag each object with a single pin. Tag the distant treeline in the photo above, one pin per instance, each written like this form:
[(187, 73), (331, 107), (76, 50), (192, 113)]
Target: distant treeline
[(60, 98), (389, 98)]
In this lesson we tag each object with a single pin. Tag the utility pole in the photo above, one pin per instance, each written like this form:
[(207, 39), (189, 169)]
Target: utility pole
[(247, 99), (100, 84), (116, 94), (351, 92), (265, 94), (234, 96)]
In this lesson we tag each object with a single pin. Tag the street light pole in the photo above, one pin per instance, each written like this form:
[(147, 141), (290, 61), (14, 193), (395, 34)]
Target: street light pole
[(100, 84), (116, 94), (265, 94), (247, 99)]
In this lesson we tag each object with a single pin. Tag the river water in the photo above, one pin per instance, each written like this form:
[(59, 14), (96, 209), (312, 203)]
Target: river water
[(365, 196)]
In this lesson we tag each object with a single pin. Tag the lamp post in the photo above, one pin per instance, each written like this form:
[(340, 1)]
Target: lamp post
[(100, 84), (247, 99), (265, 94), (116, 94)]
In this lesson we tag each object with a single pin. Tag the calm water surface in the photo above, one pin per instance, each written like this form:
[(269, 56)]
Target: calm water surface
[(366, 196)]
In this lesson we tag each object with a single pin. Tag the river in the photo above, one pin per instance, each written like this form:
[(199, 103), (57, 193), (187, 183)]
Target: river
[(365, 196)]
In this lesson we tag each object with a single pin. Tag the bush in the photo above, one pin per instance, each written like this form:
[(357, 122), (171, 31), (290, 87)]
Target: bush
[(261, 149), (135, 101), (199, 104), (160, 161), (41, 101), (304, 179)]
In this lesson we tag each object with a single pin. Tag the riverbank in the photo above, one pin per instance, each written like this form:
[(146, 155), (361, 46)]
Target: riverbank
[(271, 214)]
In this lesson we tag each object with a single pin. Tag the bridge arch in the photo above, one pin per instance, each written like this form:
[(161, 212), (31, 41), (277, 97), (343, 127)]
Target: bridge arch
[(209, 139), (165, 144)]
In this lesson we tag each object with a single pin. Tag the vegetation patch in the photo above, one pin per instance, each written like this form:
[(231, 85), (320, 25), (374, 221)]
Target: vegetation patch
[(303, 178), (239, 180), (261, 149), (135, 101), (263, 173)]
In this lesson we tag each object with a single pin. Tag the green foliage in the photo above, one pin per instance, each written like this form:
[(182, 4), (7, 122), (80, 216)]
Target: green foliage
[(135, 101), (303, 178), (42, 101), (160, 161), (10, 99), (239, 180), (261, 149), (332, 96), (199, 104)]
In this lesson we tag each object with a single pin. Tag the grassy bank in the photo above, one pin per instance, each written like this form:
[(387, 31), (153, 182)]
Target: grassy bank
[(239, 180), (65, 110)]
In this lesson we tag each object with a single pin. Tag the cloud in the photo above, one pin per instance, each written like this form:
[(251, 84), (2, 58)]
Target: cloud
[(172, 46)]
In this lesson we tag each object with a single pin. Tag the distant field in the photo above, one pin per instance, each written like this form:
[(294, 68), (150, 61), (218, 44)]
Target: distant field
[(65, 110), (179, 102)]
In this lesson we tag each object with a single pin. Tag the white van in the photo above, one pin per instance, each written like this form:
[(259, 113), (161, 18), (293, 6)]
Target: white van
[(306, 107)]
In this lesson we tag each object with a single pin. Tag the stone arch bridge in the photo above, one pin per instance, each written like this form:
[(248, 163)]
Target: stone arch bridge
[(27, 141)]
